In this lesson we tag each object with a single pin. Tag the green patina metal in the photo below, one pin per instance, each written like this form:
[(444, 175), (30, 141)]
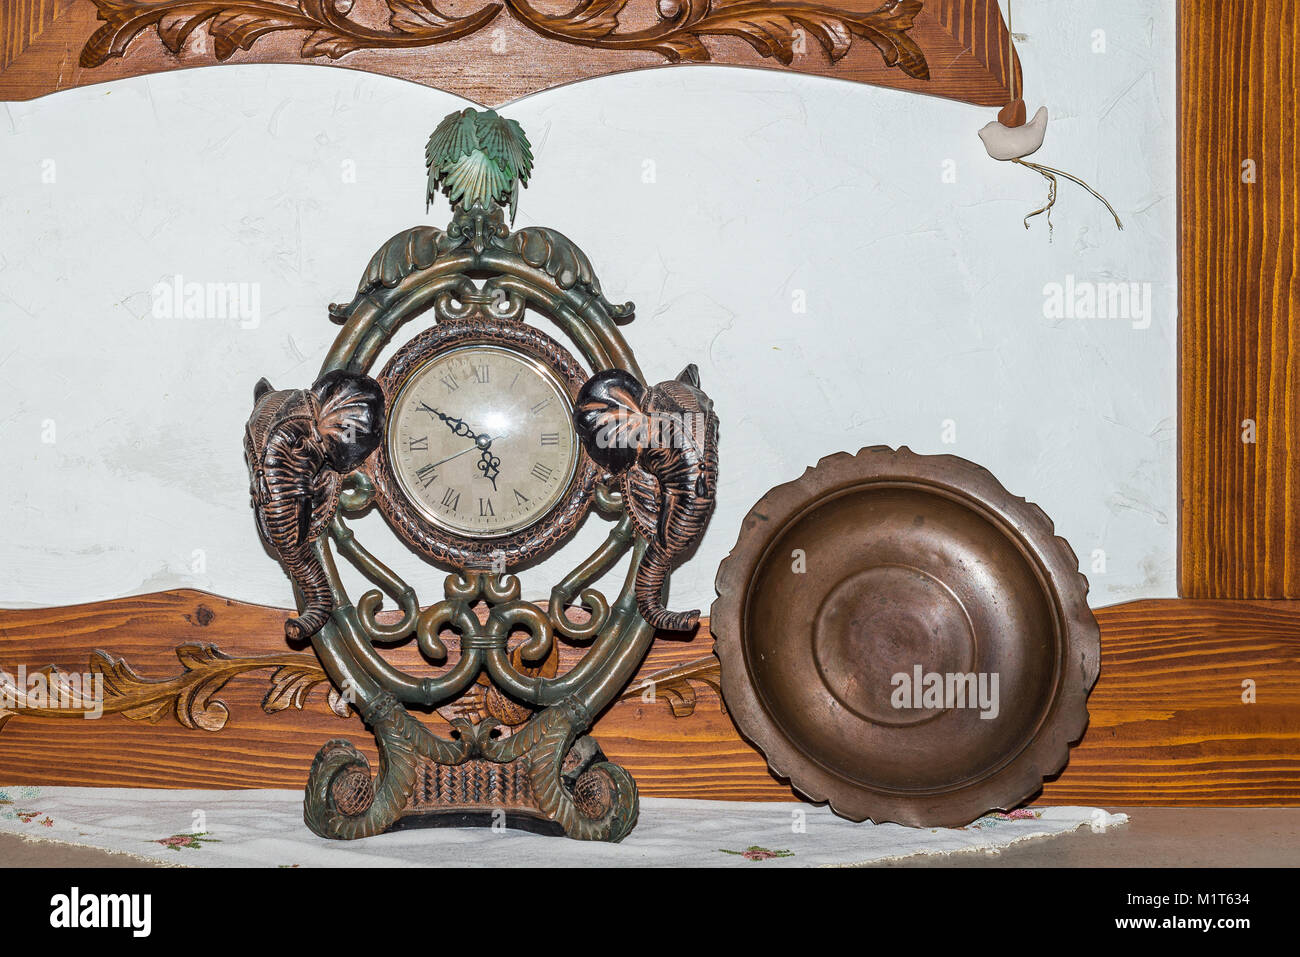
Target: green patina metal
[(479, 160)]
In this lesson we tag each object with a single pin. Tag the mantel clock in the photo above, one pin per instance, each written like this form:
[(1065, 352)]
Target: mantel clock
[(484, 442)]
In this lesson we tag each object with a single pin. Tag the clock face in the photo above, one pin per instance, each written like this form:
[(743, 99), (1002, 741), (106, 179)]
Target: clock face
[(481, 440)]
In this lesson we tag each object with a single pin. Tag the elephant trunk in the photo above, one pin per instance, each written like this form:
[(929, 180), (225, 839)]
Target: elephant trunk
[(318, 601), (650, 578), (284, 507)]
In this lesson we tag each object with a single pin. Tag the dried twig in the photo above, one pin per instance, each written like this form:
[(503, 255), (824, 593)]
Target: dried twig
[(1050, 174)]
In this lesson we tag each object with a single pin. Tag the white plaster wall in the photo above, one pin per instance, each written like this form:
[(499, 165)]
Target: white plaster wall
[(924, 298)]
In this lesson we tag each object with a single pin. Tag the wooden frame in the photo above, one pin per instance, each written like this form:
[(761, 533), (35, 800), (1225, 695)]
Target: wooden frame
[(1199, 697), (949, 48), (1239, 293), (1168, 725)]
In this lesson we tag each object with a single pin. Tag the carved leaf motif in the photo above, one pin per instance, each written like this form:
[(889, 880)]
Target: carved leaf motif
[(123, 22), (290, 686), (237, 29), (771, 29), (200, 657), (417, 16), (596, 18), (832, 33), (190, 695), (238, 24), (195, 707), (152, 711), (887, 29), (680, 695), (675, 686), (337, 704), (769, 26), (331, 44), (770, 34), (683, 46), (120, 680), (175, 28)]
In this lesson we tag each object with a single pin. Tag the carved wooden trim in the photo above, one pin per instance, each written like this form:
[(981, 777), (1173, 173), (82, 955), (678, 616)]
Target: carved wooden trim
[(676, 686), (678, 33), (190, 696), (1168, 721), (949, 48)]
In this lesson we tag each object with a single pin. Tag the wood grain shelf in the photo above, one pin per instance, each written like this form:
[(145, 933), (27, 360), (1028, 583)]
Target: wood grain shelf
[(1168, 724)]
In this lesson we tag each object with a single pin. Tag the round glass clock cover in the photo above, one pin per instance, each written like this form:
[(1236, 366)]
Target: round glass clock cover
[(481, 441)]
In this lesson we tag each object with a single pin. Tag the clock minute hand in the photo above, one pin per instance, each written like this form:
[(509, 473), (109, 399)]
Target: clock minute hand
[(457, 426), (455, 455)]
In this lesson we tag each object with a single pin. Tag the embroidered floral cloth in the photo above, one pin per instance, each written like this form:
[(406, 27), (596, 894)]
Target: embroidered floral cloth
[(265, 829)]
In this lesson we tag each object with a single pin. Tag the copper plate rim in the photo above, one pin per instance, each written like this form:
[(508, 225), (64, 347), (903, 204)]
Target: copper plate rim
[(1067, 716)]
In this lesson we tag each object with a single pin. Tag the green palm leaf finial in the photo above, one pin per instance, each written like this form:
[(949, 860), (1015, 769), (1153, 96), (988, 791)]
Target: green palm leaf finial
[(478, 157)]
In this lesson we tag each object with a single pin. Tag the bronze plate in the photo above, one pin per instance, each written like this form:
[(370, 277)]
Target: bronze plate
[(871, 571)]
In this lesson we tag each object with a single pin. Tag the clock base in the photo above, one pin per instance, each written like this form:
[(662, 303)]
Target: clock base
[(495, 818), (482, 793), (548, 777)]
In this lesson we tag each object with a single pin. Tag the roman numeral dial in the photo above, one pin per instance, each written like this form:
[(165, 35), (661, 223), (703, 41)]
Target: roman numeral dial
[(481, 441)]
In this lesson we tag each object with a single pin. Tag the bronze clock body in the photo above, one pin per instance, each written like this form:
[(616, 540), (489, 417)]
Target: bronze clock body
[(480, 469)]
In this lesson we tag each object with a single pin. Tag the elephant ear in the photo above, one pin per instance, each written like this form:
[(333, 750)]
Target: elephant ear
[(645, 503), (686, 392), (350, 421), (610, 419)]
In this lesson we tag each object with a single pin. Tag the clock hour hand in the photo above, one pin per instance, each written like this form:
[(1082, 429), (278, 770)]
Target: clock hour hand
[(490, 466)]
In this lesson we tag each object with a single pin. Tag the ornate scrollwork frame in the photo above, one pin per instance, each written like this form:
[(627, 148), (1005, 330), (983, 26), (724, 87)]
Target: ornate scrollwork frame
[(773, 28), (547, 768)]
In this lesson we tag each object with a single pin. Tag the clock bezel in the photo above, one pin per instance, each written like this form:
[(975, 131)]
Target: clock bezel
[(456, 549), (553, 386)]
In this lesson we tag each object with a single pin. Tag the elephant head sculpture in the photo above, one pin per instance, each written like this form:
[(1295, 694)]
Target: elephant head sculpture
[(299, 443), (662, 444)]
